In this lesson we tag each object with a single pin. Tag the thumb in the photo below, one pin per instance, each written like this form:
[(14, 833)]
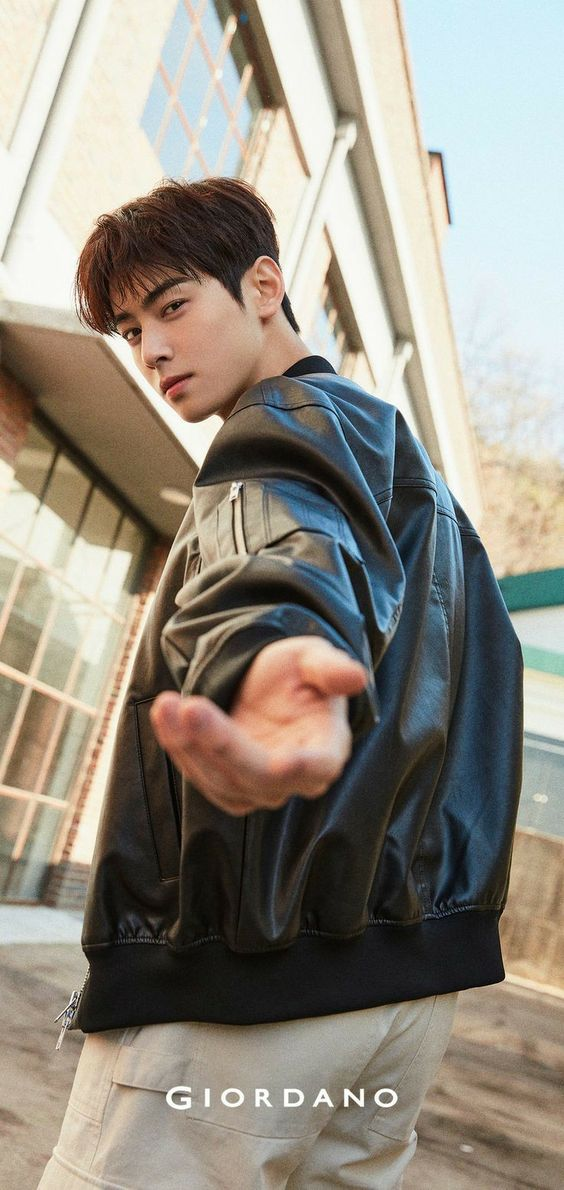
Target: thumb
[(331, 670)]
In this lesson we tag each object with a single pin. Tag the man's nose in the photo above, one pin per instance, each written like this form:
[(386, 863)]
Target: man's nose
[(154, 347)]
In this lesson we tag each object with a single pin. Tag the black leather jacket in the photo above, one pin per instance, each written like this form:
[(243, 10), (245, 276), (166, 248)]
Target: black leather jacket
[(316, 511)]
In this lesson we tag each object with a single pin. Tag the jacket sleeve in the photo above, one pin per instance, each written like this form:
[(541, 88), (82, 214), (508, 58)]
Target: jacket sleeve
[(273, 505)]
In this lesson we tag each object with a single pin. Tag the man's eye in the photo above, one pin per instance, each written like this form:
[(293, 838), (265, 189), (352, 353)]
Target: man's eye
[(176, 302), (131, 333)]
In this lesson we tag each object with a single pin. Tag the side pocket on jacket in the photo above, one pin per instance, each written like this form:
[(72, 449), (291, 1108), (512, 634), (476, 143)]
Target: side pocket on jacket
[(162, 791)]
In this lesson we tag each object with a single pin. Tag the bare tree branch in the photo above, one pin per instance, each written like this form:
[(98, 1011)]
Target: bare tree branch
[(517, 410)]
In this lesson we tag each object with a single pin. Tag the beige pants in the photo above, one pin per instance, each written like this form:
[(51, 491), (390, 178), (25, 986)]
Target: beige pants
[(262, 1107)]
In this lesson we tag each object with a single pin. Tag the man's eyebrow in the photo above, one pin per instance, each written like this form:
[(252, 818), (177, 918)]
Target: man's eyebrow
[(153, 296)]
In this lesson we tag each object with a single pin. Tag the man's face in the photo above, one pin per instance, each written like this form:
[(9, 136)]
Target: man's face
[(195, 334)]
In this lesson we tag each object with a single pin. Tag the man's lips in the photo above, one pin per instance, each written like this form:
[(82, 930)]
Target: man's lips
[(174, 384)]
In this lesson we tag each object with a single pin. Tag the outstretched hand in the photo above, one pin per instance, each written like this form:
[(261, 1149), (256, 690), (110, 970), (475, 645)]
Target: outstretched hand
[(287, 732)]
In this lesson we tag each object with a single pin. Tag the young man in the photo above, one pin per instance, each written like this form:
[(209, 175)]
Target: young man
[(305, 844)]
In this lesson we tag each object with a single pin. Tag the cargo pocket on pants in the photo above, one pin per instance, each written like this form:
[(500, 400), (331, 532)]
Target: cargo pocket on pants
[(80, 1130), (427, 1029), (143, 1140)]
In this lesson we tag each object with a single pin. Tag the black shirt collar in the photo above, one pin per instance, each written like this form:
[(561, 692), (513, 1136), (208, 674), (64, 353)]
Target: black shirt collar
[(310, 363)]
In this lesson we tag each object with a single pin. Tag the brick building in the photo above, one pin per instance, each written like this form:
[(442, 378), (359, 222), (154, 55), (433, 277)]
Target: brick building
[(311, 101)]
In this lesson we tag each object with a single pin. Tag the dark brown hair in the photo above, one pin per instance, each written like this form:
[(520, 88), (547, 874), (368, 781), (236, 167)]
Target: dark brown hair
[(216, 226)]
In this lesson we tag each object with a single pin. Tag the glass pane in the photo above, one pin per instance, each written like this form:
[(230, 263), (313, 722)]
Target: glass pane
[(541, 804), (230, 79), (33, 740), (20, 496), (174, 149), (68, 755), (212, 135), (98, 652), (10, 694), (92, 547), (233, 160), (12, 811), (328, 339), (35, 594), (66, 633), (245, 119), (196, 171), (8, 563), (195, 83), (60, 513), (27, 877), (121, 577), (176, 40), (154, 108), (212, 28)]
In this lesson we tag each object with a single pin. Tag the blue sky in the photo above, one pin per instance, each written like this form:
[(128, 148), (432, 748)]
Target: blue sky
[(489, 81)]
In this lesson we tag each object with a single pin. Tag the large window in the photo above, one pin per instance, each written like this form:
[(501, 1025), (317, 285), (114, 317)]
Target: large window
[(204, 114), (328, 335), (70, 558), (542, 797)]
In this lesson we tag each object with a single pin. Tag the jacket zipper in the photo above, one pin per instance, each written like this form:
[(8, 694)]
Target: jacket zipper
[(68, 1014), (237, 502)]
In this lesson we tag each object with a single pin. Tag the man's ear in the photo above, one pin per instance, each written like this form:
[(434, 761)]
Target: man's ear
[(267, 285)]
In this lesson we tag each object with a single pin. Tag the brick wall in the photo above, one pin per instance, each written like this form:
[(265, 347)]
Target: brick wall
[(108, 158), (16, 411)]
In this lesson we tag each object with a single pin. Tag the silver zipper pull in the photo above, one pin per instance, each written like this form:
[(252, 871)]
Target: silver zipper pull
[(235, 489), (69, 1012)]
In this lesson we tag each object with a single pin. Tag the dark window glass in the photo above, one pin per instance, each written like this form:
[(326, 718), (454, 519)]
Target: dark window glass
[(34, 594), (12, 814), (20, 497), (34, 736), (59, 516), (542, 796), (68, 754)]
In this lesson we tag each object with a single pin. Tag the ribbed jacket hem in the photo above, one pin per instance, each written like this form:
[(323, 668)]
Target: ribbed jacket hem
[(142, 983)]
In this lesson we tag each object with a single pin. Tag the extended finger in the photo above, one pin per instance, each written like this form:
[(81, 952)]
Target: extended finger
[(224, 793), (276, 774), (227, 801), (196, 731), (221, 787)]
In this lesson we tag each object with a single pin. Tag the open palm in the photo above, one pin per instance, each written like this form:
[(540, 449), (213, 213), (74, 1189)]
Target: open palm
[(287, 732)]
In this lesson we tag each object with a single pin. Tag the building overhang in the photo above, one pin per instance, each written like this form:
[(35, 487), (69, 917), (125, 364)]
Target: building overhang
[(533, 588), (85, 385)]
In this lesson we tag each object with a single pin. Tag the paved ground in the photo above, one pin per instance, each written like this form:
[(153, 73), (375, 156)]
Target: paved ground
[(493, 1119)]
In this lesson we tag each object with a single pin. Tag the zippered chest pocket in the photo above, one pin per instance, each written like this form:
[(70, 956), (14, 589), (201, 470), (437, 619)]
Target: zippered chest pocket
[(259, 512), (236, 497)]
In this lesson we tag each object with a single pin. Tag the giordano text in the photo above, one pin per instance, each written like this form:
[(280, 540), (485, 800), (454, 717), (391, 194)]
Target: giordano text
[(181, 1097)]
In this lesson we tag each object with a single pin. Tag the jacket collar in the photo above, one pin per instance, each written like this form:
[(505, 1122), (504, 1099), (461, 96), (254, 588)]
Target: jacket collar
[(309, 363)]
